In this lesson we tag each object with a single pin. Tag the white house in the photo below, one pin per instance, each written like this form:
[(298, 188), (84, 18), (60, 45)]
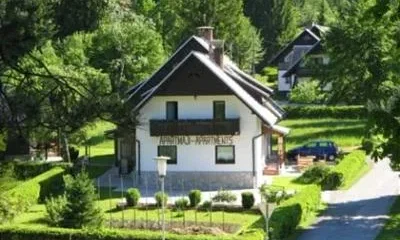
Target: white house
[(213, 120), (294, 61)]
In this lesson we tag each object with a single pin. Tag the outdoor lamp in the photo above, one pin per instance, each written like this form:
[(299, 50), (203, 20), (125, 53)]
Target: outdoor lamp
[(162, 165)]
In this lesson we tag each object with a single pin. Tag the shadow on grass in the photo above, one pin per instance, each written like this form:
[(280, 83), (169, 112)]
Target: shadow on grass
[(357, 132), (103, 160), (95, 140)]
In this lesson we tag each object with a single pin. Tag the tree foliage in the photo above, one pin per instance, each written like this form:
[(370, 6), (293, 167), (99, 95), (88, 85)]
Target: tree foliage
[(364, 51), (276, 20)]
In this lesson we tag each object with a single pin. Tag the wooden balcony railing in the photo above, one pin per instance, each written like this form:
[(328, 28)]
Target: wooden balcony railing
[(194, 127)]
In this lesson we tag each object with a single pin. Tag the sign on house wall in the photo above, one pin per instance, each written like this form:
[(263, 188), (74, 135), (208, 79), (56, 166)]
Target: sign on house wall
[(196, 140)]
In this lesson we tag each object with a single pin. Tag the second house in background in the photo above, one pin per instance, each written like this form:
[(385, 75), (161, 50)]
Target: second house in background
[(294, 61)]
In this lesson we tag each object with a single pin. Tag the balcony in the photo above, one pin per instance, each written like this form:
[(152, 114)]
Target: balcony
[(194, 127)]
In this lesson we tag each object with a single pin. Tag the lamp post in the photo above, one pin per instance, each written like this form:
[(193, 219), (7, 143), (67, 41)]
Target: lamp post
[(162, 172)]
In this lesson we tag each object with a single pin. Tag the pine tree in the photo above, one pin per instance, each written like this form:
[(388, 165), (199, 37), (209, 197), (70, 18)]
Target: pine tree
[(277, 21), (80, 210)]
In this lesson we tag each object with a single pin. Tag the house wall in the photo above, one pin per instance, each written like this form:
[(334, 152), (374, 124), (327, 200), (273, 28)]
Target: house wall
[(283, 85), (192, 159)]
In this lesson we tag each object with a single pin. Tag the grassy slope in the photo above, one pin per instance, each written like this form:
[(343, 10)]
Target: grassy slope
[(345, 132), (391, 230), (101, 148)]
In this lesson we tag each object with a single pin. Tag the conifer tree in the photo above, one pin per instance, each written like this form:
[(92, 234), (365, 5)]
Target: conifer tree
[(80, 210)]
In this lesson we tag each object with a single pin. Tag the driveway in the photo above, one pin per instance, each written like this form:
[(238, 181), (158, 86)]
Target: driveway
[(360, 212)]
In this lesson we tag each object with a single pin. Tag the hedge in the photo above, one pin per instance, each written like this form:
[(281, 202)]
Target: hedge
[(350, 166), (325, 112), (287, 216), (36, 188), (31, 232), (27, 170)]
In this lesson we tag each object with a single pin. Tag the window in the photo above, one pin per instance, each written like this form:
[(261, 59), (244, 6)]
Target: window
[(311, 145), (168, 151), (324, 144), (172, 110), (219, 110), (225, 154)]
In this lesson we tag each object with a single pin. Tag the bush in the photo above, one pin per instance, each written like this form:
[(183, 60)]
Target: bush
[(273, 194), (306, 92), (314, 174), (293, 112), (298, 209), (73, 153), (350, 166), (132, 197), (332, 181), (224, 196), (247, 200), (367, 145), (181, 203), (55, 210), (159, 196), (194, 197), (206, 205), (10, 207)]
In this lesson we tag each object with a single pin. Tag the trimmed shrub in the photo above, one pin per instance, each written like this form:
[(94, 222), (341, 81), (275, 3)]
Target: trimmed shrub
[(132, 197), (181, 203), (195, 197), (350, 166), (224, 196), (325, 112), (314, 174), (247, 200), (206, 205), (297, 209), (159, 196), (332, 181)]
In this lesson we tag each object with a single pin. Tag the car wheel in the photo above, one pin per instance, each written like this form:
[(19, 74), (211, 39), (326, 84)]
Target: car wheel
[(331, 157)]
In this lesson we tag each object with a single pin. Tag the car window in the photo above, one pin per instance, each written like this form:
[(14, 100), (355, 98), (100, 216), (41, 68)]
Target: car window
[(324, 144), (311, 145)]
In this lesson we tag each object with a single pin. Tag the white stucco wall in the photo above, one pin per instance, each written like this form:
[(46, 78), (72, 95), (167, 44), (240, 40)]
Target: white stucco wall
[(282, 84), (200, 157)]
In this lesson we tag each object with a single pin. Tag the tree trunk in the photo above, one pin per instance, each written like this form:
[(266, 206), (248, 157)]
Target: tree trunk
[(66, 148)]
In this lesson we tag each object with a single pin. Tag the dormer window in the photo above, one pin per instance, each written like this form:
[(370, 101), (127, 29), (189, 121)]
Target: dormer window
[(172, 111)]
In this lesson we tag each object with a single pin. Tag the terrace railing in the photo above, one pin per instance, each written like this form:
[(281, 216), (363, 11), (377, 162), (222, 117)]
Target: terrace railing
[(194, 127)]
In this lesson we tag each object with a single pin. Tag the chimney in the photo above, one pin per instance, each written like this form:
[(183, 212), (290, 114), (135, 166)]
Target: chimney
[(205, 32), (217, 52)]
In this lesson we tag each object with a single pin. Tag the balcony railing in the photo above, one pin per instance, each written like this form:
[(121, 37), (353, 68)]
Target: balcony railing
[(194, 127)]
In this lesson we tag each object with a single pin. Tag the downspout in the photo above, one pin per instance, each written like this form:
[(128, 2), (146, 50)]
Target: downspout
[(254, 156), (138, 155)]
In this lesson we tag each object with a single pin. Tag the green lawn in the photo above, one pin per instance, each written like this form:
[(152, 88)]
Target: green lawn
[(99, 144), (391, 230), (288, 183), (347, 133)]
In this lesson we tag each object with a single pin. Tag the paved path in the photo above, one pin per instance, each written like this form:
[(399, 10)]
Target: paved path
[(360, 212)]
